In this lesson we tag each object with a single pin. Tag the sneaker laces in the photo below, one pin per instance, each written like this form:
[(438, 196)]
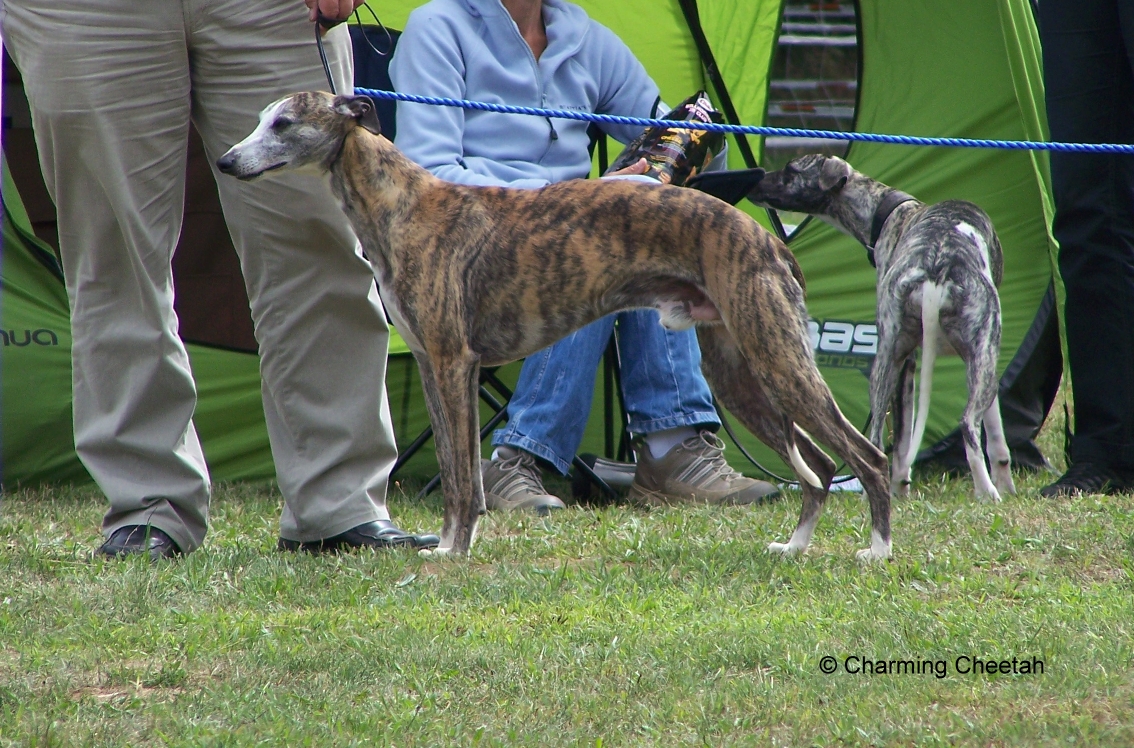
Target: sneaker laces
[(518, 474), (710, 465)]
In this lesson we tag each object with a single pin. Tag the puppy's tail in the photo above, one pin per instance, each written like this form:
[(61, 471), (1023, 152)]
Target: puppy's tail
[(933, 297), (804, 472)]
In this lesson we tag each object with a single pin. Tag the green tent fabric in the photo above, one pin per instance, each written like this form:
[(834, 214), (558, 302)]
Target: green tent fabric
[(968, 68), (35, 361)]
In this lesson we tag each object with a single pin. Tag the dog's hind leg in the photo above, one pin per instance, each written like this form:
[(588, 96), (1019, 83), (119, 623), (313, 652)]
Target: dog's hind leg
[(818, 413), (738, 391), (982, 396), (903, 417), (999, 456), (890, 376), (450, 387), (883, 383)]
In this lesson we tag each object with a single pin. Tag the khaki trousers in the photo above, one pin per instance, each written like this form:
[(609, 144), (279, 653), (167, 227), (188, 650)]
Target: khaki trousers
[(113, 85)]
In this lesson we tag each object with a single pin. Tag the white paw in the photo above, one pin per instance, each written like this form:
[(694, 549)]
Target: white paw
[(784, 549), (436, 553), (879, 549), (1005, 484), (866, 555), (991, 496)]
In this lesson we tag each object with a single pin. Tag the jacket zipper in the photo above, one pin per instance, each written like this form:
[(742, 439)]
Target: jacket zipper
[(552, 135)]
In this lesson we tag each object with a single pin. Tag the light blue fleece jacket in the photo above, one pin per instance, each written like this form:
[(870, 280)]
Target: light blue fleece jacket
[(472, 49)]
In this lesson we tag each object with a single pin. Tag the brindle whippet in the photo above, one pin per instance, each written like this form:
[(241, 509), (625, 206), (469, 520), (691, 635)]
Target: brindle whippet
[(479, 276), (938, 270)]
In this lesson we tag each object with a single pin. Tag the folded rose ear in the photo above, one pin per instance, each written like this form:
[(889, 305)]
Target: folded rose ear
[(362, 109), (834, 174)]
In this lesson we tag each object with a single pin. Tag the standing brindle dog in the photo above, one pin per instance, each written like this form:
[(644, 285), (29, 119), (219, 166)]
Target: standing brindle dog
[(479, 276), (938, 270)]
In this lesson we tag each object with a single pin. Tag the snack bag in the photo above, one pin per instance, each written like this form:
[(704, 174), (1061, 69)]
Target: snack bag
[(675, 154)]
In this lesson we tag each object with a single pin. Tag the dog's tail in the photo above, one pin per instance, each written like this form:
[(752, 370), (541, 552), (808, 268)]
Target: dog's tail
[(804, 472), (932, 298)]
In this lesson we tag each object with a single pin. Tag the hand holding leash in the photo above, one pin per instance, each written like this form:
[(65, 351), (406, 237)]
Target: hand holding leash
[(339, 11), (330, 13)]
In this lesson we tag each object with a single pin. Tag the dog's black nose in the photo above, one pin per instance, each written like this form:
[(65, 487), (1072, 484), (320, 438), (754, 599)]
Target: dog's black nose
[(226, 162)]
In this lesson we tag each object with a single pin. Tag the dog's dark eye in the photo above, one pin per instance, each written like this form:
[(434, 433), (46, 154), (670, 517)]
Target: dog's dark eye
[(281, 123)]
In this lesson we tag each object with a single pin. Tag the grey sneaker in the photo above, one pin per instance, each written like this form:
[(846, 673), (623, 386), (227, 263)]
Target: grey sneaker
[(513, 483), (694, 471)]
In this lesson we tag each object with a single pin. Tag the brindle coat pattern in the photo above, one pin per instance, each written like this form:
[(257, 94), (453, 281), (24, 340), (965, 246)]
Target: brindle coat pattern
[(950, 248), (479, 276)]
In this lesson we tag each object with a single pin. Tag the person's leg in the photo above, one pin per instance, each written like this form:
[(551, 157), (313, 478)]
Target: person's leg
[(671, 408), (1090, 98), (546, 418), (548, 412), (319, 323), (662, 384), (108, 85)]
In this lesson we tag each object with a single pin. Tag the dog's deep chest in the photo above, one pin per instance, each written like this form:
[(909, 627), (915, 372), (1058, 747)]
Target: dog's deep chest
[(389, 296)]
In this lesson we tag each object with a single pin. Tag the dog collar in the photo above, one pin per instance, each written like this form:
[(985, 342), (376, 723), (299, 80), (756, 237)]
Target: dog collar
[(890, 201)]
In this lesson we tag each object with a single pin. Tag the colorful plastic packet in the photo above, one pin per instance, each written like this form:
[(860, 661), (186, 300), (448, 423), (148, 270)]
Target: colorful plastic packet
[(675, 154)]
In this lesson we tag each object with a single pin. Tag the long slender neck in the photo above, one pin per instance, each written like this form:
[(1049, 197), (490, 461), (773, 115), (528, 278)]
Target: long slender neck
[(855, 216), (377, 187)]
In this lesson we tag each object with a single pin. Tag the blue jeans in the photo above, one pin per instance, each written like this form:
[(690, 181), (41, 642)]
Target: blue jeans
[(662, 386)]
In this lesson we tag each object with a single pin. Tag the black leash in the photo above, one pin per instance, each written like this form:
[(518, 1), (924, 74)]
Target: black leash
[(325, 24)]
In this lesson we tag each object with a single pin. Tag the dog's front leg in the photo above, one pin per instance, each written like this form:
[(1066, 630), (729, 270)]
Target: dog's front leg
[(450, 385)]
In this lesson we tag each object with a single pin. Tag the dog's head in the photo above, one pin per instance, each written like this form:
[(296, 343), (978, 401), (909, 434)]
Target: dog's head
[(806, 184), (304, 130)]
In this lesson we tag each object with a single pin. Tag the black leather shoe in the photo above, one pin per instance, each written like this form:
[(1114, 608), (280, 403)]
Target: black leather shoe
[(381, 533), (1087, 478), (137, 539)]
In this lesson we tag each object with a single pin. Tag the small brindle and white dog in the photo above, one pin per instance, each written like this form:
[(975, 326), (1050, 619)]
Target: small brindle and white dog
[(938, 270), (479, 276)]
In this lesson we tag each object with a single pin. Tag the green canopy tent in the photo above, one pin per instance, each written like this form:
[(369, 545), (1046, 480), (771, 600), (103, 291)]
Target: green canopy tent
[(968, 69)]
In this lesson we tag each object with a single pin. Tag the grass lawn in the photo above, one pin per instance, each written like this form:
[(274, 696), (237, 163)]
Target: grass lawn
[(599, 626)]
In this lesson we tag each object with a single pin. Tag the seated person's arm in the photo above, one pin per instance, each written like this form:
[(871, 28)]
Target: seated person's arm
[(627, 90), (428, 62)]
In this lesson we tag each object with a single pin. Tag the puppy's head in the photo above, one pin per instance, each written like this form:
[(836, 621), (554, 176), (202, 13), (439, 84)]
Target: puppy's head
[(806, 184), (301, 131)]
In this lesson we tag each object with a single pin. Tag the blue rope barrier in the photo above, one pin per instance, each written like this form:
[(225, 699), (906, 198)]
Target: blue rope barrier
[(1015, 145)]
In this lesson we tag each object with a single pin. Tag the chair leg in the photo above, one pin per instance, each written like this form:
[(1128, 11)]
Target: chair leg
[(612, 381)]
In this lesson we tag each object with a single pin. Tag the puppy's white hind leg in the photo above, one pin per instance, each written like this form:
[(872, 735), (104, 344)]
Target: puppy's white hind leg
[(982, 482), (999, 455)]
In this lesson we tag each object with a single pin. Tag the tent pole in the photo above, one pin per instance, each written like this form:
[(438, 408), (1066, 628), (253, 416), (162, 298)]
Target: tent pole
[(693, 20)]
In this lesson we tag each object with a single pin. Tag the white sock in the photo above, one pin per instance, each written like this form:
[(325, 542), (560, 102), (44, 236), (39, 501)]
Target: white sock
[(662, 441)]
